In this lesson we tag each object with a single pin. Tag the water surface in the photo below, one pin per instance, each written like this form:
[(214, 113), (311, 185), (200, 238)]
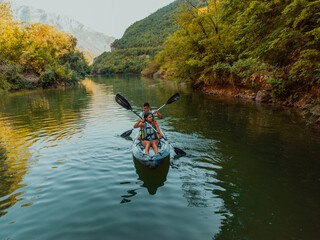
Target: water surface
[(252, 170)]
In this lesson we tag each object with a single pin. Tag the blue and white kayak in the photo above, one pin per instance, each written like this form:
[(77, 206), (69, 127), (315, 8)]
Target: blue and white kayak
[(153, 160)]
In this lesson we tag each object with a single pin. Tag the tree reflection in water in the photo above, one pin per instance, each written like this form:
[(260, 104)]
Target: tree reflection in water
[(14, 156), (48, 116)]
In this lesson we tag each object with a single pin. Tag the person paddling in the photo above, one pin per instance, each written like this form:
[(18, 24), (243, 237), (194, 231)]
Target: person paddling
[(149, 136), (146, 109)]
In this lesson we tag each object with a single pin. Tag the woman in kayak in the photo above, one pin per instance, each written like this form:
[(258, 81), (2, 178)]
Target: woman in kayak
[(149, 136)]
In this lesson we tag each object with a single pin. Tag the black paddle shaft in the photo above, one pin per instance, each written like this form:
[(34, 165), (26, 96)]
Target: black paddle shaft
[(124, 103), (174, 98)]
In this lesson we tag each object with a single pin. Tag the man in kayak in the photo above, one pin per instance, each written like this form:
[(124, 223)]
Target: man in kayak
[(149, 136), (146, 109)]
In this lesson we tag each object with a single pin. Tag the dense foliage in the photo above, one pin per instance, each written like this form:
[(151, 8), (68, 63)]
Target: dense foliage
[(131, 60), (39, 50), (141, 41), (248, 43), (151, 31)]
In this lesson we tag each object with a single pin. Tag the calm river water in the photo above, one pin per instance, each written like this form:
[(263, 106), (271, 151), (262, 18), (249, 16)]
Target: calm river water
[(252, 171)]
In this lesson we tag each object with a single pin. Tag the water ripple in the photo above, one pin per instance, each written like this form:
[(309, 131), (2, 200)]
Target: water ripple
[(64, 168)]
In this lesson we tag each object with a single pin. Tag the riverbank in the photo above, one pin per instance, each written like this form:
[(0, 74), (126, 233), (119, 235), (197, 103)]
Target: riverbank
[(31, 81), (306, 106)]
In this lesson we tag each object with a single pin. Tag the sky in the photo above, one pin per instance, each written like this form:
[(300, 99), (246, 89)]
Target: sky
[(111, 17)]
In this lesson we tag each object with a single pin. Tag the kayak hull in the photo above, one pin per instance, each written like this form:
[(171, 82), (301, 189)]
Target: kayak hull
[(153, 160)]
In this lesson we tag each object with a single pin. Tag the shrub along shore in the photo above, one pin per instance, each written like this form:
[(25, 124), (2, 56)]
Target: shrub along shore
[(36, 55)]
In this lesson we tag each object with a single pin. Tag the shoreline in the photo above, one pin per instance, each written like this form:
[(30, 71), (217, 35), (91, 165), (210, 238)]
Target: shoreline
[(310, 112)]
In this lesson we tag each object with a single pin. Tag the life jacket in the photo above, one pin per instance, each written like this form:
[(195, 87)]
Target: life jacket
[(147, 132)]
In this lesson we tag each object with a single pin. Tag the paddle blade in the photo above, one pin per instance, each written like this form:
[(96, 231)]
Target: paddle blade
[(173, 98), (179, 152), (126, 134), (123, 102)]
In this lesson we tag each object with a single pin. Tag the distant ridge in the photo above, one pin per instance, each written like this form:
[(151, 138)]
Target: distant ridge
[(142, 41), (153, 30), (88, 39)]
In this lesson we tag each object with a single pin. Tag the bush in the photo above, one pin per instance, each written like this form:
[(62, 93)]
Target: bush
[(55, 76), (132, 60), (37, 48), (151, 69), (11, 79), (47, 78), (76, 62), (4, 84)]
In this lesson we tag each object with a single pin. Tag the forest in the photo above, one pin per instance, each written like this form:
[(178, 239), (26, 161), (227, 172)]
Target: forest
[(151, 31), (36, 55), (252, 44), (144, 37), (132, 60)]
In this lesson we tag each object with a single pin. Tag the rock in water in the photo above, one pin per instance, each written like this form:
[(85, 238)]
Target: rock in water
[(263, 96)]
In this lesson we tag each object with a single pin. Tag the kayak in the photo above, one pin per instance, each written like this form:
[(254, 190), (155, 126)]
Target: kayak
[(153, 160)]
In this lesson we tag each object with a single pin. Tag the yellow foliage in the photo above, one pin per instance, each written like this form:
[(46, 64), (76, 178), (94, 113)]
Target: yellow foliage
[(46, 35), (44, 46), (5, 11), (36, 46), (202, 10)]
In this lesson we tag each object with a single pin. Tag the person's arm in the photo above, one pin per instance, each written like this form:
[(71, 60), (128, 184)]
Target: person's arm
[(159, 115), (160, 133), (139, 123)]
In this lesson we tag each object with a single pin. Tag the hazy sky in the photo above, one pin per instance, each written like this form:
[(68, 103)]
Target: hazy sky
[(111, 17)]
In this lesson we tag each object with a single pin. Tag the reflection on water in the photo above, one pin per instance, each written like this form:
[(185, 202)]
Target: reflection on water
[(260, 160), (25, 119), (152, 178), (13, 164), (252, 170)]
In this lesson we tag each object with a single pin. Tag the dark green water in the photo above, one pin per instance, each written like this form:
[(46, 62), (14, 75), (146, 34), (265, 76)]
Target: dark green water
[(252, 170)]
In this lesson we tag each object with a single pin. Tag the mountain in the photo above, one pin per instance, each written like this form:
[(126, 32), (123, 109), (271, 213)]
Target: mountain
[(142, 40), (88, 39), (153, 30)]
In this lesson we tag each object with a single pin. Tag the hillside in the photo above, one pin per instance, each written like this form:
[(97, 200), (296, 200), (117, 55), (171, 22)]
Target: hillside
[(141, 41), (151, 31), (229, 45)]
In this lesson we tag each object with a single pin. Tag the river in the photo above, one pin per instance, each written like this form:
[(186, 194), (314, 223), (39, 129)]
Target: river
[(252, 171)]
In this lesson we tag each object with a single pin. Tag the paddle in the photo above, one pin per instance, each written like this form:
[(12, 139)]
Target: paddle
[(174, 98), (126, 133), (178, 151), (124, 103), (171, 100)]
